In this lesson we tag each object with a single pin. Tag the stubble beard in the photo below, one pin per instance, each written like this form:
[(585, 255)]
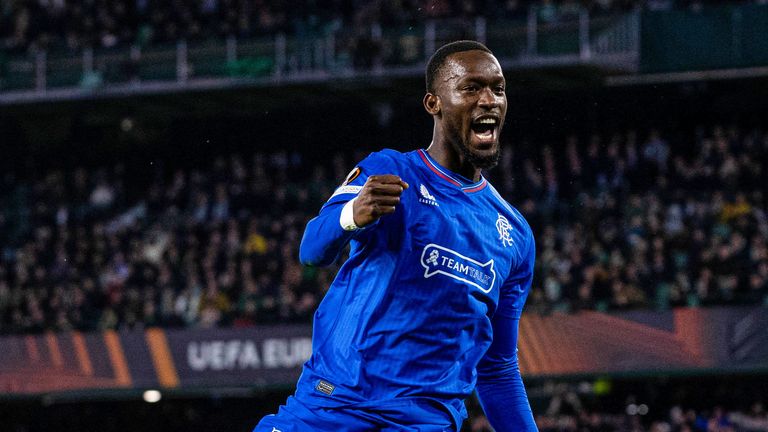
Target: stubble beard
[(480, 161)]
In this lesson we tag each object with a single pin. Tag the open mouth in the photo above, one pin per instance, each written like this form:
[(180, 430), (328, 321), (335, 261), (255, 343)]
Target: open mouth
[(485, 127)]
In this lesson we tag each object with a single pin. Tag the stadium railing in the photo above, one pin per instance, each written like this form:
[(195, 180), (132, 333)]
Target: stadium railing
[(576, 39)]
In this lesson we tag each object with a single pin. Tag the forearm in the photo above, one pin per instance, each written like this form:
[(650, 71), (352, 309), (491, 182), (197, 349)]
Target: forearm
[(504, 400), (324, 238), (499, 384)]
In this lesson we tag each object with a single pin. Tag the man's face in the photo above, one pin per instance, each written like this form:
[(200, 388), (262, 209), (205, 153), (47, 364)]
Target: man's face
[(470, 86)]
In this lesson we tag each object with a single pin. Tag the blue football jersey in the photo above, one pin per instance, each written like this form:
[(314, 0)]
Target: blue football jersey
[(413, 312)]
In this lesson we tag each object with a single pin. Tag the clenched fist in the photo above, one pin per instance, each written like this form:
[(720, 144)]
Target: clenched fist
[(379, 196)]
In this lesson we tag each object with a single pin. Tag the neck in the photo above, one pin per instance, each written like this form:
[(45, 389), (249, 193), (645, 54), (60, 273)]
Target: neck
[(448, 156)]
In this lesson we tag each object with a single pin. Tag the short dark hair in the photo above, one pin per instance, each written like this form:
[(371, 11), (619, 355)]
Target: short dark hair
[(437, 60)]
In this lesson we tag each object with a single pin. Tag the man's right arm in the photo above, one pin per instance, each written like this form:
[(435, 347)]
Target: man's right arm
[(324, 238), (341, 219)]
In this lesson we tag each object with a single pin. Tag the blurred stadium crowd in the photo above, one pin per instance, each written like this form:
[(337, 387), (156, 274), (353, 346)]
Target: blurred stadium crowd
[(629, 222), (625, 221), (677, 406), (639, 219), (566, 410), (678, 419), (567, 413), (74, 24)]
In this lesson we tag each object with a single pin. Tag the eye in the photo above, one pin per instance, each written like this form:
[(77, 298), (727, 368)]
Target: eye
[(499, 89), (471, 88)]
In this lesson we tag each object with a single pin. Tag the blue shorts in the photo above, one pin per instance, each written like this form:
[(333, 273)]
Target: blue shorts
[(392, 416)]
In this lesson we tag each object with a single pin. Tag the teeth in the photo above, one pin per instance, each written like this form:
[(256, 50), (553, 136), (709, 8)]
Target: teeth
[(487, 121)]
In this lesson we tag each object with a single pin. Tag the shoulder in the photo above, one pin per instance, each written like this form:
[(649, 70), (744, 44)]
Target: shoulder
[(386, 161), (515, 218), (518, 228), (523, 225), (386, 158)]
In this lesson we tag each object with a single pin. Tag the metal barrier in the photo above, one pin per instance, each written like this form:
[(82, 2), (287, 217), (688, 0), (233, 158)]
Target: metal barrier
[(58, 74)]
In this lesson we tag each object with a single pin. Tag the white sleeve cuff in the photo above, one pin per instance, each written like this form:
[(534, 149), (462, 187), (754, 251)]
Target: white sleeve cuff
[(347, 218)]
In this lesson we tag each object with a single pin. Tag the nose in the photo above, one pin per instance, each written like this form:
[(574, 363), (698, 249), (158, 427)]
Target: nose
[(488, 99)]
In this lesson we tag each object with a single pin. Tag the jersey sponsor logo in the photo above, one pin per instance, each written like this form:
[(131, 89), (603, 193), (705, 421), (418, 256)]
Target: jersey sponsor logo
[(347, 190), (439, 260), (352, 176), (504, 228), (426, 197)]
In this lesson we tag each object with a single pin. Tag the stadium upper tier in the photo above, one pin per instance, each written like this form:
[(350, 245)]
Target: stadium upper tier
[(622, 221), (75, 24), (73, 50), (54, 50)]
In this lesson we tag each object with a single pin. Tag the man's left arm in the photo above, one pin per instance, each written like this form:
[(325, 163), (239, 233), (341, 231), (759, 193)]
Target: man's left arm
[(499, 384)]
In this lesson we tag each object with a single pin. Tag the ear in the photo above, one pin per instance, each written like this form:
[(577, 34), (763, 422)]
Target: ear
[(432, 103)]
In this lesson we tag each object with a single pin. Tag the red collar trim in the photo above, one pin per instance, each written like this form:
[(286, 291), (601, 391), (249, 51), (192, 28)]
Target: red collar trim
[(469, 189)]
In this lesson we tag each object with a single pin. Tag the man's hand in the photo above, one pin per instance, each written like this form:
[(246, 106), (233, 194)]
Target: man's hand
[(380, 196)]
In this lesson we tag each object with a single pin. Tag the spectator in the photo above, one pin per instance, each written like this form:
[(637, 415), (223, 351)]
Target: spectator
[(193, 248)]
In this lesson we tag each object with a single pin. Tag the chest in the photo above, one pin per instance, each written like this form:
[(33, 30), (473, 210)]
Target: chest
[(460, 242)]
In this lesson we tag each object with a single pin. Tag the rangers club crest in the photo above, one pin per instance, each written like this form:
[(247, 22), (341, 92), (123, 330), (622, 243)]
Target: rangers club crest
[(504, 228)]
